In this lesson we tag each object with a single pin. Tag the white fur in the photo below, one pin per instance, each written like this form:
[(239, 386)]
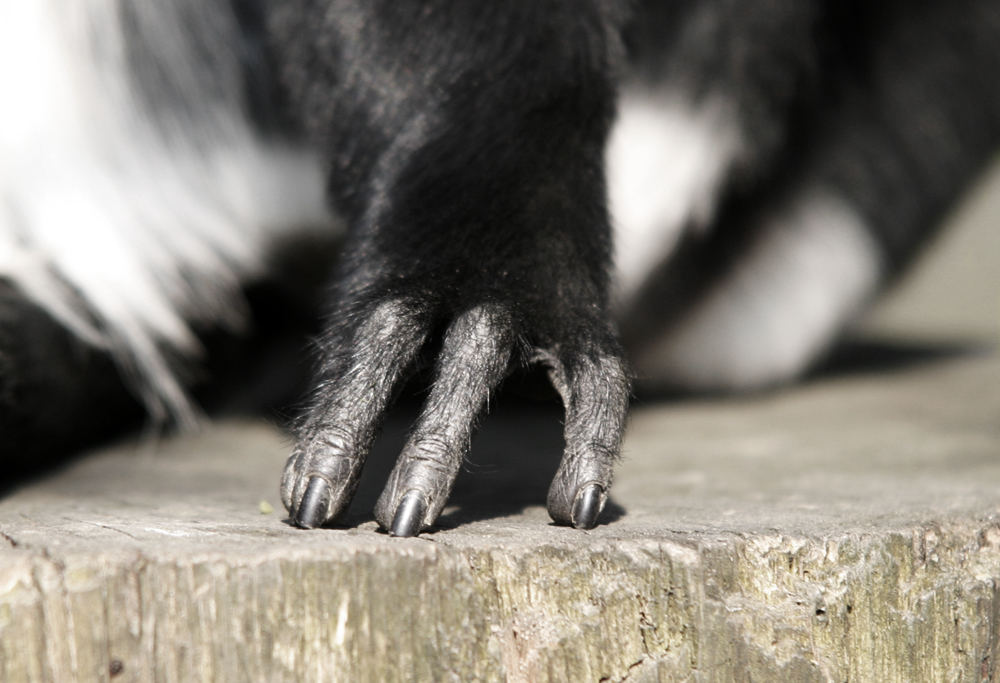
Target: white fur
[(99, 207), (666, 160), (811, 271)]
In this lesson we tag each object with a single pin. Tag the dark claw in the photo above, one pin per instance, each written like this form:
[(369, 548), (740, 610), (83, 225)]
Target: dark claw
[(315, 504), (587, 507), (409, 516)]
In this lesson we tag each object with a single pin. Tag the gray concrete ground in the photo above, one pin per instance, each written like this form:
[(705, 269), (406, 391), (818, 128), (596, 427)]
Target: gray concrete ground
[(844, 529)]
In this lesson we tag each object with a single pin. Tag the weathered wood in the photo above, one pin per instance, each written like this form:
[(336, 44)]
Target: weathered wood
[(846, 530)]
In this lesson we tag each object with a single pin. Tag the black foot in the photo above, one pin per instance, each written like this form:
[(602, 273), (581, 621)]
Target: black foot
[(477, 351)]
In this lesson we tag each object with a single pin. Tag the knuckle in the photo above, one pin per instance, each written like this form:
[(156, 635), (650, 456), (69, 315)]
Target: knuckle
[(327, 443), (432, 452)]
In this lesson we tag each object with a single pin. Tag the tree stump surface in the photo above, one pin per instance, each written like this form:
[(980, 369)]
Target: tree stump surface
[(846, 529)]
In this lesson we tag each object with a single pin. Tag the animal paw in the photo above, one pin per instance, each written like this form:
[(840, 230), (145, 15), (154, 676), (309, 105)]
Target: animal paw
[(480, 344)]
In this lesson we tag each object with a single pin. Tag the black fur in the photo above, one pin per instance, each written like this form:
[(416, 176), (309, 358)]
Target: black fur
[(471, 129)]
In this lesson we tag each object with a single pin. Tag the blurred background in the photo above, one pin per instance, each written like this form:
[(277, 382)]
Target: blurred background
[(952, 295)]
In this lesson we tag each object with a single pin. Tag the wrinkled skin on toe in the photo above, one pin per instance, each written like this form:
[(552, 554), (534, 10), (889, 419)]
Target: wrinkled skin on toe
[(480, 346), (476, 210)]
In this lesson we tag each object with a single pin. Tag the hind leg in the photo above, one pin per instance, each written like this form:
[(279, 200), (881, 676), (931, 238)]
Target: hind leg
[(851, 206), (771, 312)]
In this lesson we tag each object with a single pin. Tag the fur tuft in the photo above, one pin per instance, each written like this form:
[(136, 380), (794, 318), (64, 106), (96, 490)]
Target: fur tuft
[(125, 221)]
